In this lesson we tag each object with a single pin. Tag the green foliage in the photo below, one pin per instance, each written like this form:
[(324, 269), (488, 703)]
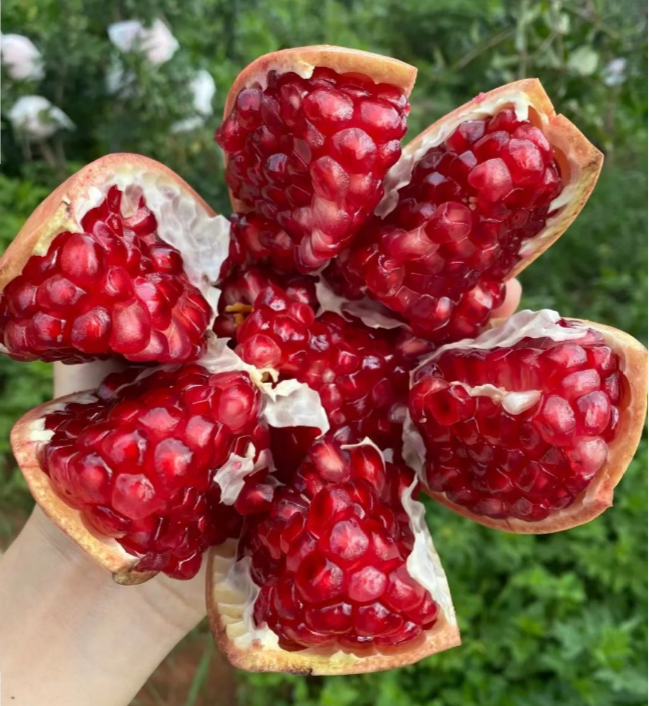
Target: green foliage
[(546, 621)]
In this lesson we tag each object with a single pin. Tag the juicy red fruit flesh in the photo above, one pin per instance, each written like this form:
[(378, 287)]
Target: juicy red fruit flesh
[(310, 155), (114, 289), (330, 555), (440, 258), (139, 462), (527, 465), (362, 380)]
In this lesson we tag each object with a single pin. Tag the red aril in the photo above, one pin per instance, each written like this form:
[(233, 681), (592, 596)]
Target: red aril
[(476, 197), (529, 426), (361, 379), (139, 458), (307, 151), (241, 288), (115, 262), (340, 562)]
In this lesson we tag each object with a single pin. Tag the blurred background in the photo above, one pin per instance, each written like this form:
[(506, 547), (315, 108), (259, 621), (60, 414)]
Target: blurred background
[(545, 620)]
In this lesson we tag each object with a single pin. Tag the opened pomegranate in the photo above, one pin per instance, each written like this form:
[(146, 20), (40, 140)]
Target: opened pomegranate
[(342, 566), (529, 426), (309, 135), (480, 194), (281, 441), (361, 380), (116, 262)]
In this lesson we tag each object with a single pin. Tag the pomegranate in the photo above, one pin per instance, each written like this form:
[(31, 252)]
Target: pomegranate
[(118, 261), (530, 426), (339, 576), (289, 376), (309, 134), (157, 464), (474, 199)]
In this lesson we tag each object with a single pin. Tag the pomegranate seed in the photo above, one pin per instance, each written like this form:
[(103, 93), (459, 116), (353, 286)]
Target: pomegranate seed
[(309, 157), (140, 464), (525, 465), (329, 571), (107, 291), (362, 381), (440, 259)]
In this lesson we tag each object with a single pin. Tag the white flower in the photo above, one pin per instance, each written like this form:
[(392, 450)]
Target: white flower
[(120, 81), (37, 118), (156, 42), (21, 57), (203, 89), (614, 72)]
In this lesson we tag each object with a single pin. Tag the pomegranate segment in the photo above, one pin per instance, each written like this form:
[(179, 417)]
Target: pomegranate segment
[(139, 461), (330, 556), (361, 379), (308, 157), (520, 428), (440, 258), (114, 289)]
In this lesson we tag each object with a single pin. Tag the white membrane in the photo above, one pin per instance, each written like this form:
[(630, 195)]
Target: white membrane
[(371, 313), (302, 68), (423, 564), (286, 404), (202, 240), (524, 324), (414, 449), (233, 473)]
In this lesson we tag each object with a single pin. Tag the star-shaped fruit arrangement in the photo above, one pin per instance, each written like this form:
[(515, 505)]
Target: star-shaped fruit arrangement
[(293, 376)]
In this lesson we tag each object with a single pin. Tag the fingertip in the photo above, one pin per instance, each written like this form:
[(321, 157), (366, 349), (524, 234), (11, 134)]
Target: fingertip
[(512, 300)]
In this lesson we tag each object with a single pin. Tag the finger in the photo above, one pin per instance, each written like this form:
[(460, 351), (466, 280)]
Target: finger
[(512, 300), (87, 376)]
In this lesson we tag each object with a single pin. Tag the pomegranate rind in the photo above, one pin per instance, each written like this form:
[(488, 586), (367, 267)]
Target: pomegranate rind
[(26, 437), (64, 208), (303, 60), (598, 496), (231, 594), (580, 161)]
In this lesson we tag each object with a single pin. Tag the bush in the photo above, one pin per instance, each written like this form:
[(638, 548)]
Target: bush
[(546, 620)]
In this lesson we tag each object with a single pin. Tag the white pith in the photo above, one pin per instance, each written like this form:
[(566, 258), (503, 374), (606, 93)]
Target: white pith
[(235, 592), (288, 403), (232, 475), (202, 240), (304, 69), (371, 313)]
